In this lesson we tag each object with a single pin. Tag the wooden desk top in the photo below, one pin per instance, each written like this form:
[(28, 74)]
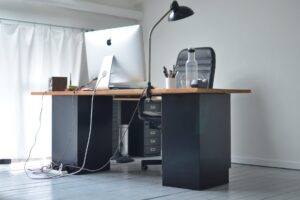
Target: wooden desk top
[(138, 92)]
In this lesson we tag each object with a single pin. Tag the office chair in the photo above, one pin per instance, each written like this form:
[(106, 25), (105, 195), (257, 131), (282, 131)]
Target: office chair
[(206, 60)]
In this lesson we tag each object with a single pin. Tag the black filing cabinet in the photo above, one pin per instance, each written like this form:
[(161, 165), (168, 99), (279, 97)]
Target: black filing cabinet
[(152, 140), (144, 138), (148, 141)]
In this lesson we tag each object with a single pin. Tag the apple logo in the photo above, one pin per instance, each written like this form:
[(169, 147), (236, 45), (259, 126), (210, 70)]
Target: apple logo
[(108, 42)]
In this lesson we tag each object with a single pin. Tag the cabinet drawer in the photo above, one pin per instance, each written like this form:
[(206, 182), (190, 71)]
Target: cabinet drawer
[(152, 125), (152, 132), (153, 141), (152, 106), (152, 150)]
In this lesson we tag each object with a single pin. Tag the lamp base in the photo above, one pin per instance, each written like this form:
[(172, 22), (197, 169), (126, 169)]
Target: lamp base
[(124, 159), (149, 88)]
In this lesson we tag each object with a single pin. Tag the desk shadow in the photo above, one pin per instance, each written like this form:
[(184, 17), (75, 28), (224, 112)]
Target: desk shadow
[(134, 168)]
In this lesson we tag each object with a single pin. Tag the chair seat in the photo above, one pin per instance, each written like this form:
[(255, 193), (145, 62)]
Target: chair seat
[(152, 114), (145, 163)]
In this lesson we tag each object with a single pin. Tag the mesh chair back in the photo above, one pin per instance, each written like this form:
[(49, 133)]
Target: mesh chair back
[(206, 59)]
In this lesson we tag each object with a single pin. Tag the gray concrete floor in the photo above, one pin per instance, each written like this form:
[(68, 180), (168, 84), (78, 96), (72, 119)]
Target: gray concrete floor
[(127, 181)]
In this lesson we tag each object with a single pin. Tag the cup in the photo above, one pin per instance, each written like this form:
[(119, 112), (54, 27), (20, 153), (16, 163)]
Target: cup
[(170, 83)]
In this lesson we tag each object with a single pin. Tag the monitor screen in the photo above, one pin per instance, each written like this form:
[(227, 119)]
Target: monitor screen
[(125, 44)]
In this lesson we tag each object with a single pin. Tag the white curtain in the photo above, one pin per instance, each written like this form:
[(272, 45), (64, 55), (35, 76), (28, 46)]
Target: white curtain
[(29, 55)]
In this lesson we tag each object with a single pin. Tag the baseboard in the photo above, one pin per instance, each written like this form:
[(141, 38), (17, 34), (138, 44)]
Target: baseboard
[(266, 162), (15, 160), (5, 161)]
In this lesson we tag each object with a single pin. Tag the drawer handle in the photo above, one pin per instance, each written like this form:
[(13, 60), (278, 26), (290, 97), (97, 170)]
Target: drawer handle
[(152, 141), (152, 107), (152, 132), (152, 149)]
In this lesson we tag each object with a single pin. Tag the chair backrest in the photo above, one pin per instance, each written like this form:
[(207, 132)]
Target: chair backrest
[(206, 59)]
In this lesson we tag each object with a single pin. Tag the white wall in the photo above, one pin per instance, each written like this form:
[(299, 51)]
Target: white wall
[(257, 46)]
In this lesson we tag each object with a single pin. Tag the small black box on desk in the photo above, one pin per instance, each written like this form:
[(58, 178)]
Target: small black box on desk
[(57, 83)]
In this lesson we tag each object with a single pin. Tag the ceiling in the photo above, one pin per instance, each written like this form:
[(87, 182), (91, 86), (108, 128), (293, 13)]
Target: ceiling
[(128, 4), (121, 8)]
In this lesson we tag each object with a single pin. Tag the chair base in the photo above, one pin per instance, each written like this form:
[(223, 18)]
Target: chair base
[(145, 163)]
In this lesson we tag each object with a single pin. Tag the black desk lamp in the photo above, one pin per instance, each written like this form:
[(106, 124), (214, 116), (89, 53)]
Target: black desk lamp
[(175, 13)]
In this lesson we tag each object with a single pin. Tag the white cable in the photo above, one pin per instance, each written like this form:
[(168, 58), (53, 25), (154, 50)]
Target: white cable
[(88, 142), (34, 143), (118, 148), (68, 139), (90, 128)]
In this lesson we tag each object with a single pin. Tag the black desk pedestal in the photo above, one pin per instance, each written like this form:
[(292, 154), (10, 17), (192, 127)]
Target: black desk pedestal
[(70, 129), (196, 140)]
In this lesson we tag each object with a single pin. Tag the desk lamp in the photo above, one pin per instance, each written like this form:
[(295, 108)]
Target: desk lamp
[(175, 13)]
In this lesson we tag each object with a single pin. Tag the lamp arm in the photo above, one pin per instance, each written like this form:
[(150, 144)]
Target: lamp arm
[(150, 38)]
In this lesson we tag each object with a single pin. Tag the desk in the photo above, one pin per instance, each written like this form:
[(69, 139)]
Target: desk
[(195, 128)]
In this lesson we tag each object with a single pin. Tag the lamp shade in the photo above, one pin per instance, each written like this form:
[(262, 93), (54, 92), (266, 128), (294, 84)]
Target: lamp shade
[(179, 12)]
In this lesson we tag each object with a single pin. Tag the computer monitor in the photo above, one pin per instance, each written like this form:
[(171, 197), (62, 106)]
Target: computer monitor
[(125, 44)]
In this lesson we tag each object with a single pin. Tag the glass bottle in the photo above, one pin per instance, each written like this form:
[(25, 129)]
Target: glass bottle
[(191, 68)]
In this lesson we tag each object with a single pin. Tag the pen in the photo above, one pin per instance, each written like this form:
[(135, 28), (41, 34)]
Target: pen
[(165, 72), (170, 73)]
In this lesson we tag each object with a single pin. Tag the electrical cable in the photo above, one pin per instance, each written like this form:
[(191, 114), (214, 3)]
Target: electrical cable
[(88, 141), (43, 171), (34, 143), (121, 139), (50, 167), (90, 128), (73, 124)]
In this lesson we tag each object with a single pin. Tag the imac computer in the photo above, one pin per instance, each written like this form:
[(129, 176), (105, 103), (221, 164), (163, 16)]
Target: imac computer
[(120, 51)]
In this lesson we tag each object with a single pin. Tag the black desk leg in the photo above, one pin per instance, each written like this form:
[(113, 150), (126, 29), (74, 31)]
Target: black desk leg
[(196, 140), (70, 129)]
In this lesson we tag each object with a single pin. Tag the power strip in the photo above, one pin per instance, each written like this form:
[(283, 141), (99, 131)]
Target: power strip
[(56, 172)]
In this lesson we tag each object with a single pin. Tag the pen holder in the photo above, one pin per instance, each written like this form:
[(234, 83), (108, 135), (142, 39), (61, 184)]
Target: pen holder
[(170, 83)]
